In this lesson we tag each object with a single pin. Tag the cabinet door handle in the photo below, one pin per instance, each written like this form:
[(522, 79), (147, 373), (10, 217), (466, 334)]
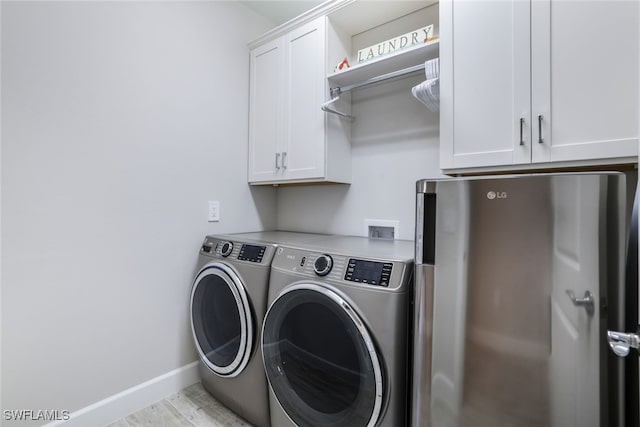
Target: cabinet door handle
[(284, 160), (521, 126), (540, 140), (277, 160)]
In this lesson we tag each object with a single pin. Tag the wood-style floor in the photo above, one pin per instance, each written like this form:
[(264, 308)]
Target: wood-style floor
[(191, 407)]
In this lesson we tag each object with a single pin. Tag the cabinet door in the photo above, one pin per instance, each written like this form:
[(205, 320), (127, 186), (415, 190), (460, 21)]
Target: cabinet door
[(304, 156), (584, 79), (265, 111), (485, 83)]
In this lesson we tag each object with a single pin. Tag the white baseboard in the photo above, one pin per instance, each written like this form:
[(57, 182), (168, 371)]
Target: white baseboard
[(133, 399)]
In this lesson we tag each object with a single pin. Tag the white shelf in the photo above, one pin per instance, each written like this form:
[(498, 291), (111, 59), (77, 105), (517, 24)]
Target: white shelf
[(386, 64)]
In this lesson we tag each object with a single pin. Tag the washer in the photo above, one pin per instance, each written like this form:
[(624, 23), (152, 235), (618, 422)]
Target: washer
[(228, 303), (335, 336)]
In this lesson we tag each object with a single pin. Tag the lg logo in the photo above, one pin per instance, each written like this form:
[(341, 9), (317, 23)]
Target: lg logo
[(496, 195)]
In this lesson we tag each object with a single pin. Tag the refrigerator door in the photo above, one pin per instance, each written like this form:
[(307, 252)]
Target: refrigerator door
[(517, 280), (622, 342)]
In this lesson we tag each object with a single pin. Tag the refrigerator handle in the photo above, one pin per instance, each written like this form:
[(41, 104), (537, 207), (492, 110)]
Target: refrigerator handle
[(425, 238), (621, 343), (428, 230), (424, 277)]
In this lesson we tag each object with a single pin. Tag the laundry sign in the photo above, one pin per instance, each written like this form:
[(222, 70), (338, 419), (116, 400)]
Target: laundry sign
[(415, 37)]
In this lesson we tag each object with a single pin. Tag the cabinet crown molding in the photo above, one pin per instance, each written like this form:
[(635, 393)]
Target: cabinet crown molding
[(321, 10), (353, 16)]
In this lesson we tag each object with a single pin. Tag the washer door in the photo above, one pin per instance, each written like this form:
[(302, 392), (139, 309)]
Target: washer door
[(320, 360), (221, 320)]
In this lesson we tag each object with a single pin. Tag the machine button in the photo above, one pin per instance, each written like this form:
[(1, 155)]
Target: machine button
[(226, 249), (323, 265)]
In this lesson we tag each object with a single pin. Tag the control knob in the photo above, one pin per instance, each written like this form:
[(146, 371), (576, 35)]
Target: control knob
[(323, 265), (226, 248)]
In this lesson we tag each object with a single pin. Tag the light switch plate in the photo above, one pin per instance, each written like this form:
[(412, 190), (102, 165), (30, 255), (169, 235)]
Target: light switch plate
[(214, 210)]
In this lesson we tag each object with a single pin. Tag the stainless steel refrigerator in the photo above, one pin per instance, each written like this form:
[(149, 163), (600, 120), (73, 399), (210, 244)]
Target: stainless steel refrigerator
[(518, 281)]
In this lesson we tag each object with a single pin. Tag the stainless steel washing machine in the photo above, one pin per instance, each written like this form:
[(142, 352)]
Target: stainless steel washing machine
[(228, 303), (335, 336)]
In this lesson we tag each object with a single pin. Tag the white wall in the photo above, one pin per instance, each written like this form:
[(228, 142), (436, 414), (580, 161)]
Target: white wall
[(394, 143), (119, 121)]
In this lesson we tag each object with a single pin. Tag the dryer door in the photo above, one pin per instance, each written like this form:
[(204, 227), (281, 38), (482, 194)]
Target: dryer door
[(320, 360), (221, 320)]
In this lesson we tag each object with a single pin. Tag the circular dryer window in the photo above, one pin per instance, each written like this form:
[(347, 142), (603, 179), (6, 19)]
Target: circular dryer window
[(221, 320), (320, 360)]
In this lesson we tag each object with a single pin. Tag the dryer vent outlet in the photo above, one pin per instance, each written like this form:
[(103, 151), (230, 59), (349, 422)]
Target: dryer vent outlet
[(381, 229)]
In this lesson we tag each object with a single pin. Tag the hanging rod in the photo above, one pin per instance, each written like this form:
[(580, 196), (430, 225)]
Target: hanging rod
[(382, 77), (335, 92)]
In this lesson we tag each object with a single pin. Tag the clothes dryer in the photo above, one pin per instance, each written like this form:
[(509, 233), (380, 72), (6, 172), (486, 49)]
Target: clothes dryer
[(335, 336), (228, 303)]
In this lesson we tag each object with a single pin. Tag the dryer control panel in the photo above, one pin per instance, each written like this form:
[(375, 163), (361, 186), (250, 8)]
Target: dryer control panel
[(334, 267), (369, 272)]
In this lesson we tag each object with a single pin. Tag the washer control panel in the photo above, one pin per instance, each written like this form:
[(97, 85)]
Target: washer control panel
[(369, 272), (251, 253), (248, 252)]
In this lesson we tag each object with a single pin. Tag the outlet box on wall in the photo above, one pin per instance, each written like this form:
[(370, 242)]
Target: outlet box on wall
[(381, 229)]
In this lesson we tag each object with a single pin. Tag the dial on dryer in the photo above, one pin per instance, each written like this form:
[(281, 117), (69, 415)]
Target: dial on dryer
[(323, 265)]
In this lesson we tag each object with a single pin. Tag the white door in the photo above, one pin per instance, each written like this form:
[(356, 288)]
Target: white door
[(575, 347), (265, 111), (485, 83), (304, 153), (584, 79)]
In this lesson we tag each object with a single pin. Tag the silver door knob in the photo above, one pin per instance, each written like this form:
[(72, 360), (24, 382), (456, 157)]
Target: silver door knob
[(586, 302), (621, 342)]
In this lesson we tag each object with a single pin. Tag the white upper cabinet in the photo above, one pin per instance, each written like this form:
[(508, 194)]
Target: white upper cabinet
[(584, 79), (538, 84), (484, 83), (265, 95), (290, 139), (293, 67), (304, 93)]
